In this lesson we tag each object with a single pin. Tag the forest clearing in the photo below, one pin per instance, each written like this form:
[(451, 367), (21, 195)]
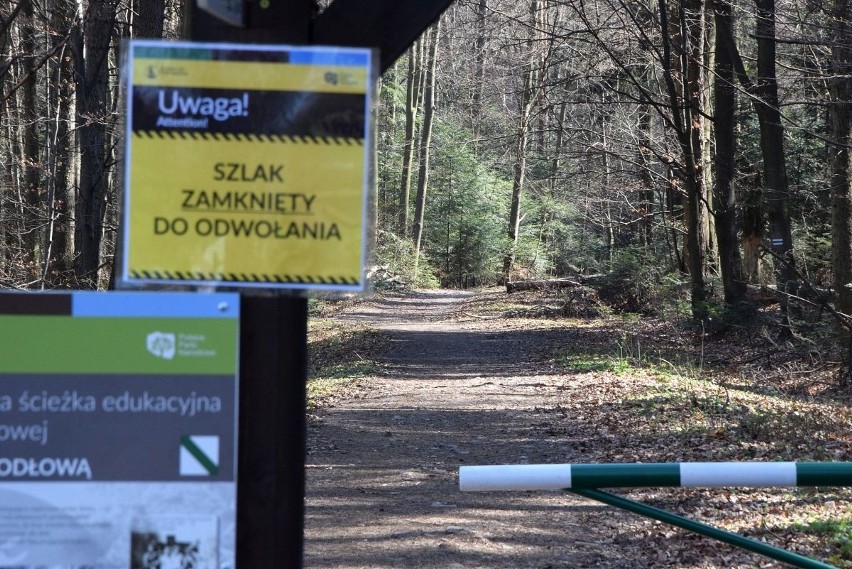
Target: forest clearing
[(407, 387)]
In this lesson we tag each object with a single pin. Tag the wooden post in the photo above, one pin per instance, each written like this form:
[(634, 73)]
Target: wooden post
[(273, 337), (267, 21), (271, 467), (273, 356)]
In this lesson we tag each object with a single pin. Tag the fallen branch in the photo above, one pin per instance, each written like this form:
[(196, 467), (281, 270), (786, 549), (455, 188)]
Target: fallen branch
[(472, 315), (512, 286), (807, 293)]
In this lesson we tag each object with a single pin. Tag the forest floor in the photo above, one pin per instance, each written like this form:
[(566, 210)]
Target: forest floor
[(408, 387)]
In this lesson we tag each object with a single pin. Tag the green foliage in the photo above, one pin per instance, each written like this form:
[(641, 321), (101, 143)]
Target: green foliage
[(547, 234), (336, 377), (466, 213), (532, 259), (339, 355), (814, 253), (636, 283), (571, 244), (393, 92), (839, 533), (588, 363), (397, 256), (315, 305), (806, 166), (810, 193)]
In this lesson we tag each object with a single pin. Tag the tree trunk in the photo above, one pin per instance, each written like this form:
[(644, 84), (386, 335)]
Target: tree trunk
[(30, 159), (93, 111), (765, 98), (425, 141), (840, 159), (609, 222), (520, 168), (685, 101), (753, 233), (150, 18), (772, 149), (57, 244), (724, 120), (672, 203), (479, 74), (708, 84), (646, 194), (692, 24), (7, 181), (753, 197), (412, 96), (13, 200), (556, 167), (644, 155), (518, 178)]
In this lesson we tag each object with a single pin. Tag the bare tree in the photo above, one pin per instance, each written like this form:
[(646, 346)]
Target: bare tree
[(528, 97), (725, 123), (764, 95), (91, 56), (687, 119), (413, 84), (58, 243), (426, 139)]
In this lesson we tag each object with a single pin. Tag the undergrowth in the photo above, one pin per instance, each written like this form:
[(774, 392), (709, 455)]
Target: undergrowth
[(340, 355), (838, 533), (660, 412)]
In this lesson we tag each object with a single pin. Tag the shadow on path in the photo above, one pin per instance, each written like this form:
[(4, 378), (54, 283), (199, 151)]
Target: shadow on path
[(382, 487)]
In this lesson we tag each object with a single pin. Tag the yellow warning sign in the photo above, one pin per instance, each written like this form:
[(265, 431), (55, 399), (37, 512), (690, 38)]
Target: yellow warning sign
[(246, 165)]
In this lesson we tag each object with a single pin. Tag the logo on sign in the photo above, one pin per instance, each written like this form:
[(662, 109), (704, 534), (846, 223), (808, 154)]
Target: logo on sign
[(199, 455), (161, 345)]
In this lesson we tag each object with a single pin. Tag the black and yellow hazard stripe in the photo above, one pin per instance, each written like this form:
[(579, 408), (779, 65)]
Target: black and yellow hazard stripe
[(162, 275), (240, 137)]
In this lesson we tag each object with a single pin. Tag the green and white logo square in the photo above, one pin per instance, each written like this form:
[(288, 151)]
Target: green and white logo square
[(199, 455)]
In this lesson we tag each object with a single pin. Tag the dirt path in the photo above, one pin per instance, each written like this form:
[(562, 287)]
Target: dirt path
[(382, 487)]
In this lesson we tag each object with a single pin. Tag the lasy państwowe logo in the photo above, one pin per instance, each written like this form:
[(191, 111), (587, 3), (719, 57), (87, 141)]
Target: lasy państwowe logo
[(161, 344)]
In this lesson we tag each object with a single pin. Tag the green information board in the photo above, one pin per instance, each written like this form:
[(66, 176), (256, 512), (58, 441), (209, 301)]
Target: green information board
[(118, 430)]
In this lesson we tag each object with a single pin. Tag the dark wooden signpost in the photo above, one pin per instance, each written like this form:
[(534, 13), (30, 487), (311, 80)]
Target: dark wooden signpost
[(273, 339)]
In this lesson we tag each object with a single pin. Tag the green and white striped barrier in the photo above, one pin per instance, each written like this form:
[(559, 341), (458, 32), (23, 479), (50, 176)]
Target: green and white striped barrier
[(630, 475)]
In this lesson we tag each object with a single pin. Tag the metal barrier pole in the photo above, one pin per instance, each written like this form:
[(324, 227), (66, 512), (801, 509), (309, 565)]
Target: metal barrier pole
[(709, 531), (586, 479), (645, 475)]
